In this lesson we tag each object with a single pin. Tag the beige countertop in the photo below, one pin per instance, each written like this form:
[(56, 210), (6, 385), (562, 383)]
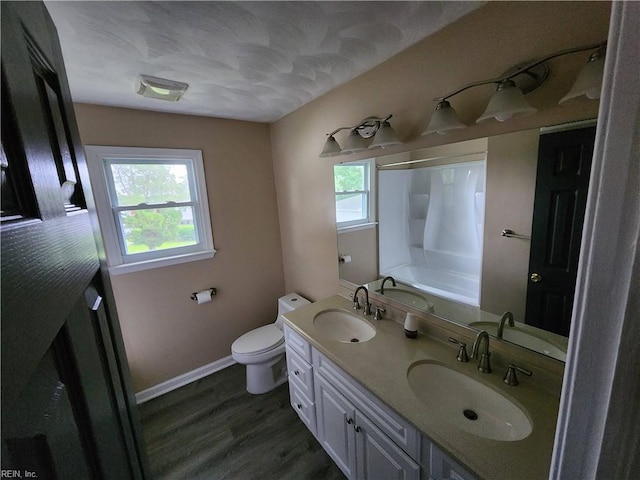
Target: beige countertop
[(381, 365)]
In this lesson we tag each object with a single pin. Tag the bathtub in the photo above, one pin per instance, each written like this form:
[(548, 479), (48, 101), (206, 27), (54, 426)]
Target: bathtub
[(450, 285)]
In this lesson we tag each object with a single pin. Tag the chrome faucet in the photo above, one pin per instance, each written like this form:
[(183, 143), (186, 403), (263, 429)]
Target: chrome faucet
[(484, 365), (367, 305), (506, 317), (393, 281)]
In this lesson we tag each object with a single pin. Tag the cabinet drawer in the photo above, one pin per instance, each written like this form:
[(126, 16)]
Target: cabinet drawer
[(300, 373), (405, 435), (305, 409), (296, 343)]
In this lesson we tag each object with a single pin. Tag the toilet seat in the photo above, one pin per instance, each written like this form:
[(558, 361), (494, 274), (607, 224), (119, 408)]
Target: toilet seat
[(258, 341)]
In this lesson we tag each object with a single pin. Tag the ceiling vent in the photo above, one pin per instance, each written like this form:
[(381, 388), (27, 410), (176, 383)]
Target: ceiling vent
[(160, 88)]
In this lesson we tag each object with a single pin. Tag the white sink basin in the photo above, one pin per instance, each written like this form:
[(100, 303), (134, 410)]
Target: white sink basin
[(343, 326), (408, 298), (467, 403), (524, 338)]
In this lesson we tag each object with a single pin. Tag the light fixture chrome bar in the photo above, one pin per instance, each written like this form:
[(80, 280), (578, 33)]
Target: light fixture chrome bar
[(522, 69), (338, 130), (376, 127), (364, 123)]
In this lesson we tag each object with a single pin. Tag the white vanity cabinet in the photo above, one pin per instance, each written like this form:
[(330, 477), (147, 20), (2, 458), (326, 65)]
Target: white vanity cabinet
[(354, 442), (366, 439), (444, 468), (439, 466)]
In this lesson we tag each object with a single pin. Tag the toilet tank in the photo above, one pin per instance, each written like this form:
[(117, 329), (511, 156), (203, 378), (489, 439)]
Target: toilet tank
[(289, 303)]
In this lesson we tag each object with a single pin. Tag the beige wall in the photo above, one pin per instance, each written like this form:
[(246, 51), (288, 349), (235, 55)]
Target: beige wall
[(481, 45), (362, 246), (166, 334)]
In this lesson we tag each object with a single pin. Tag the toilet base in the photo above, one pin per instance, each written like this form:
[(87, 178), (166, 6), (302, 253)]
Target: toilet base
[(264, 377)]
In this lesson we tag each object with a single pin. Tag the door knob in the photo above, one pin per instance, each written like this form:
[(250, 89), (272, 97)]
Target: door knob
[(536, 277)]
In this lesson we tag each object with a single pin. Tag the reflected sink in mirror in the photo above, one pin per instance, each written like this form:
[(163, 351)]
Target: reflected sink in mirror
[(343, 326), (468, 404), (408, 298), (533, 339)]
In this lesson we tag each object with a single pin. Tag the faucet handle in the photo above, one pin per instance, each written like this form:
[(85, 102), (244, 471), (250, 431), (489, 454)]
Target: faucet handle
[(462, 353), (510, 377), (378, 314)]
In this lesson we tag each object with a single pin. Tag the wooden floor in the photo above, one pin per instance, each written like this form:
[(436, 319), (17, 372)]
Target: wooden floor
[(213, 429)]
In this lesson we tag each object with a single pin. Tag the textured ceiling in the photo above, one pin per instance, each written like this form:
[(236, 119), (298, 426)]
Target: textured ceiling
[(243, 60)]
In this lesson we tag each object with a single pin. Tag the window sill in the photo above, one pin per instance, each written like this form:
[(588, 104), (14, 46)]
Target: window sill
[(160, 262), (354, 228)]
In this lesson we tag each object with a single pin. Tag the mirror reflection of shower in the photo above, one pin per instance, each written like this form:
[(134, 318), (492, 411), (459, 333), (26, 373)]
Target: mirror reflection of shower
[(430, 236)]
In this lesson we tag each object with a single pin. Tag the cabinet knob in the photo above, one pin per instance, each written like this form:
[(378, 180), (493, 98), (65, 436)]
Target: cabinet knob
[(357, 428), (299, 405), (296, 372), (349, 421)]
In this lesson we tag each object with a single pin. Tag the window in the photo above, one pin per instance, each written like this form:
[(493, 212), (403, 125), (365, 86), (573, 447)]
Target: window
[(354, 188), (152, 206)]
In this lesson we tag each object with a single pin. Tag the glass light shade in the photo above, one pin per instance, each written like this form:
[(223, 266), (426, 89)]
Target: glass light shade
[(589, 81), (443, 120), (331, 147), (385, 137), (354, 143), (508, 101)]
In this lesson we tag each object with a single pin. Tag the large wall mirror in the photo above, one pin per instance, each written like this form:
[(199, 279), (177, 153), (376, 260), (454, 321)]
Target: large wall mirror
[(473, 230)]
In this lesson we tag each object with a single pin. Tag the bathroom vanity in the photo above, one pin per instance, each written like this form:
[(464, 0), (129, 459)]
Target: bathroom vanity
[(387, 406)]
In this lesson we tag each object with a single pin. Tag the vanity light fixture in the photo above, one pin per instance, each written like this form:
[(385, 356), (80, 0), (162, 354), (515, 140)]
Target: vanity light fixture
[(160, 88), (509, 98), (376, 127), (589, 81)]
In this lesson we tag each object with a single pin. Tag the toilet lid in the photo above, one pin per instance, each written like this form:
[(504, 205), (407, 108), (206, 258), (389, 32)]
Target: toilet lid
[(258, 340)]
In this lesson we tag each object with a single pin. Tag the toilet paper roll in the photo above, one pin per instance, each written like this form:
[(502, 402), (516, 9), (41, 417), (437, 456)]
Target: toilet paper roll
[(203, 297), (345, 258)]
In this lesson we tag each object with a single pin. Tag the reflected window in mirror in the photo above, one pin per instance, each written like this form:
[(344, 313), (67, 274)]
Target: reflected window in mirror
[(354, 193)]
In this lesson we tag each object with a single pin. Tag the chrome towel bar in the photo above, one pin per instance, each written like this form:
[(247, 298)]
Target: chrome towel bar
[(511, 234)]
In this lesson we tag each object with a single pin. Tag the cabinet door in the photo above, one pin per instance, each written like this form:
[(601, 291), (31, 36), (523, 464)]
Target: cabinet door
[(335, 418), (378, 457), (443, 468)]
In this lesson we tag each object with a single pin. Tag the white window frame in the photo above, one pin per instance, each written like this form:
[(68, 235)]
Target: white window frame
[(98, 160), (369, 192)]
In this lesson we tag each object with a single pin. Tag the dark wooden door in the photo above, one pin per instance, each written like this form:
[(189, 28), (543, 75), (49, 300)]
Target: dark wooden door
[(66, 401), (564, 165)]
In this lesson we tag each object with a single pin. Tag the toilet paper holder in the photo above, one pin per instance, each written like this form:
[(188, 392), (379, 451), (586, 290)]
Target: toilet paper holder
[(194, 294)]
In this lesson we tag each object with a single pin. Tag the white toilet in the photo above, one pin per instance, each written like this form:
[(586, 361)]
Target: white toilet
[(262, 349)]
